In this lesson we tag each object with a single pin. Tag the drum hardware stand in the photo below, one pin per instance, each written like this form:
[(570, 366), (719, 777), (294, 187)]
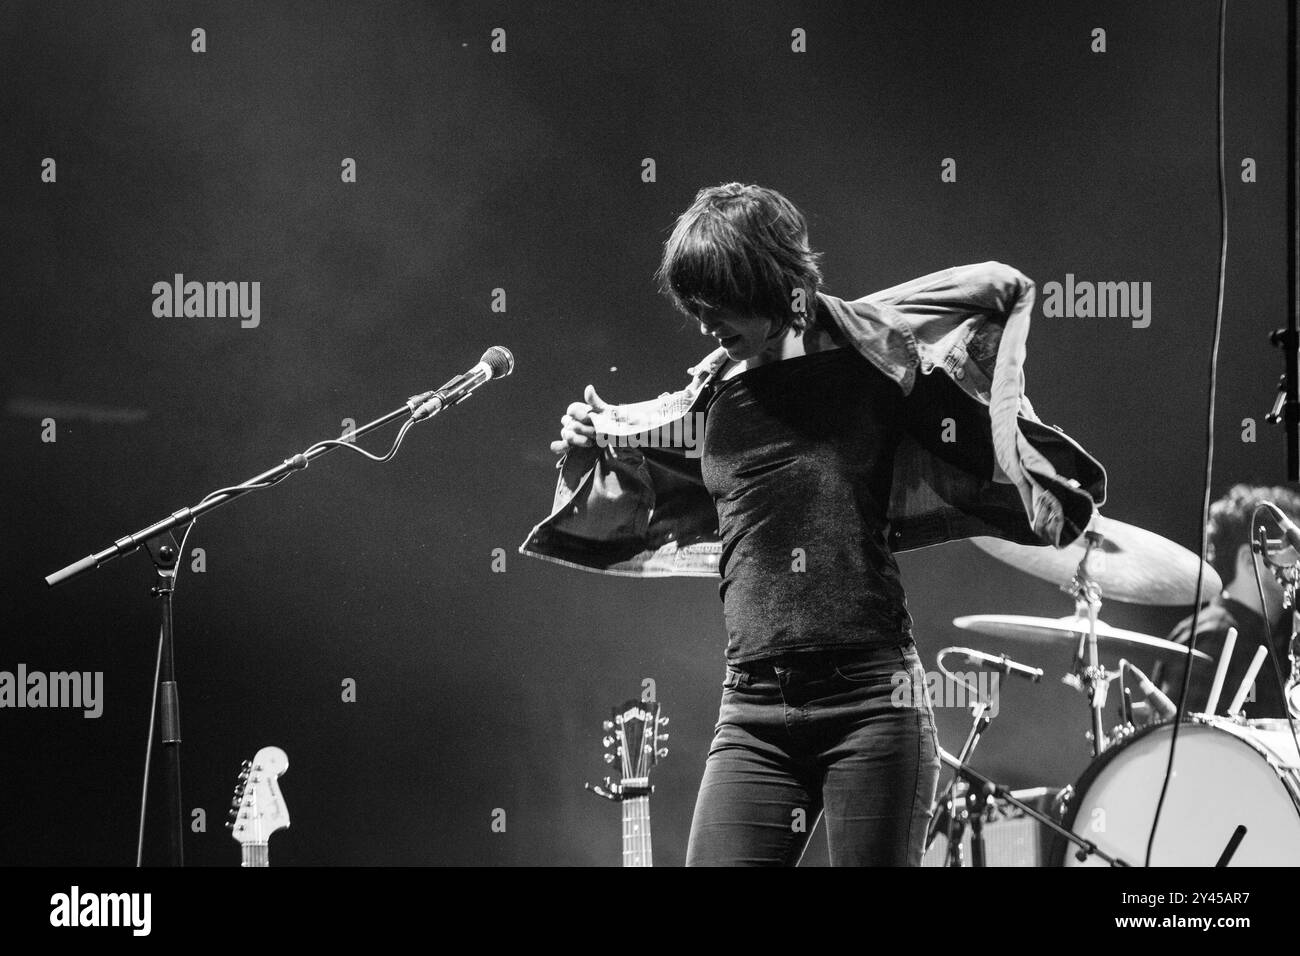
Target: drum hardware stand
[(992, 790), (1126, 727), (1286, 576), (1089, 678), (1292, 697), (1129, 712)]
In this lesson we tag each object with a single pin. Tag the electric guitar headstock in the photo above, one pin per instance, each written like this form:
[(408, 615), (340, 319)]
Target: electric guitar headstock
[(258, 809)]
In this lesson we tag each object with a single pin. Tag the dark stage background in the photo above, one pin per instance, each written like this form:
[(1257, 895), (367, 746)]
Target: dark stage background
[(480, 691)]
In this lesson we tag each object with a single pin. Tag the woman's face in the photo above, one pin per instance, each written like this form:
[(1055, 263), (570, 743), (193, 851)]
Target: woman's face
[(743, 336)]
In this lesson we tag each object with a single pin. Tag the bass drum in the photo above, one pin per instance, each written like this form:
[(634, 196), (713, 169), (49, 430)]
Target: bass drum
[(1225, 776)]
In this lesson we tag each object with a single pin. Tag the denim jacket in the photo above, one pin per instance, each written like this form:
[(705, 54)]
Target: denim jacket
[(635, 505)]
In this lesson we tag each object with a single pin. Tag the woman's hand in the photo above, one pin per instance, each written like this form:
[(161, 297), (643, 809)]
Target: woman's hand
[(576, 430)]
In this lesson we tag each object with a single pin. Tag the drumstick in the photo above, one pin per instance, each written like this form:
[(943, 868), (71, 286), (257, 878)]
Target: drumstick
[(1248, 680), (1221, 672)]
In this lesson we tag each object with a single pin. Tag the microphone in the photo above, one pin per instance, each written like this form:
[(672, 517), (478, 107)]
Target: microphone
[(1270, 545), (1288, 527), (497, 362), (1159, 699), (1003, 663)]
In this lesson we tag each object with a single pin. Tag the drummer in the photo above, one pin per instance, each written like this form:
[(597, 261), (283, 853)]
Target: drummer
[(1238, 605)]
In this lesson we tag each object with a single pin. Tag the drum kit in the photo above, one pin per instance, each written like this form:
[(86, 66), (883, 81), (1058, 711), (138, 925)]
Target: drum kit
[(1233, 797)]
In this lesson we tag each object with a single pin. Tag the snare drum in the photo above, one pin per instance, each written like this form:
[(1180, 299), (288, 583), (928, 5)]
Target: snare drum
[(1226, 776)]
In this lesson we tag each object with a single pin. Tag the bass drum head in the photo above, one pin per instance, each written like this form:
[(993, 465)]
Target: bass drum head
[(1221, 781)]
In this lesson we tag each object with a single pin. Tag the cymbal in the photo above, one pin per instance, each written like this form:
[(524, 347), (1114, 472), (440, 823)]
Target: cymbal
[(1110, 640), (1131, 564)]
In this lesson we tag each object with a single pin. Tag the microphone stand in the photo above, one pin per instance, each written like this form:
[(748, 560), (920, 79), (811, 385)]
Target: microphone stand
[(990, 789), (164, 552), (946, 813), (1286, 408)]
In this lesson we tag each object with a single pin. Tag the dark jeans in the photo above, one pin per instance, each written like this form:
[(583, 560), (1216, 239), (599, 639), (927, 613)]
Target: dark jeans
[(846, 733)]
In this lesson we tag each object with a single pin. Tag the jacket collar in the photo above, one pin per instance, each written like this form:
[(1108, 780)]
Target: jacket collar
[(879, 333)]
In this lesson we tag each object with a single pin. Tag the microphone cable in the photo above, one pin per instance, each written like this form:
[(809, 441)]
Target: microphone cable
[(1209, 434)]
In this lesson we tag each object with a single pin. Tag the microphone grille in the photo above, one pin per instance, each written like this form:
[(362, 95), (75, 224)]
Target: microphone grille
[(499, 360)]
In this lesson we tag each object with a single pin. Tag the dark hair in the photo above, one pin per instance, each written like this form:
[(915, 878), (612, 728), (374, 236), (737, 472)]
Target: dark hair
[(745, 249), (1229, 526)]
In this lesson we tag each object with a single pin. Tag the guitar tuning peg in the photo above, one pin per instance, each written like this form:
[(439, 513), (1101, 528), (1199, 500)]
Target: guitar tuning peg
[(663, 721), (663, 736), (605, 791), (609, 758), (607, 741), (607, 725), (662, 752)]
